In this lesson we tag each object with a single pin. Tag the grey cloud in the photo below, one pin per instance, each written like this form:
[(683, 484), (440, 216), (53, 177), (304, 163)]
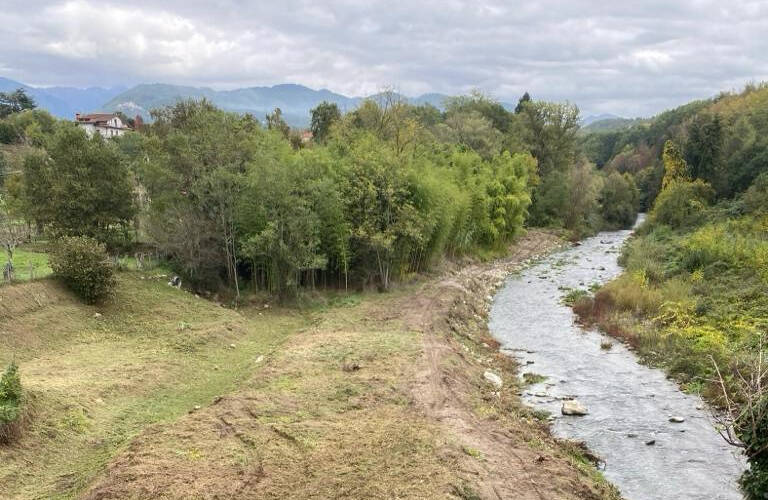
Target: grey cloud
[(630, 58)]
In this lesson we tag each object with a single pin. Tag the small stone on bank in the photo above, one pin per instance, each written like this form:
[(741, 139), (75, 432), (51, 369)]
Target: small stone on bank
[(574, 408), (492, 378)]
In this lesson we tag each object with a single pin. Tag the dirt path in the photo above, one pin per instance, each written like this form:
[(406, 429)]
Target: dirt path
[(384, 398), (511, 467)]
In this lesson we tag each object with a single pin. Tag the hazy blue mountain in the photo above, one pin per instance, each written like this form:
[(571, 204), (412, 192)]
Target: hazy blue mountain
[(294, 100), (64, 102), (83, 100)]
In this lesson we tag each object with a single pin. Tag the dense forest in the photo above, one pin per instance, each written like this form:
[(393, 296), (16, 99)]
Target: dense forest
[(694, 296), (382, 192)]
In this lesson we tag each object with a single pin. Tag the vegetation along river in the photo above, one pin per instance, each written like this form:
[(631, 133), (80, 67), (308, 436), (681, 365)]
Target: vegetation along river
[(629, 405)]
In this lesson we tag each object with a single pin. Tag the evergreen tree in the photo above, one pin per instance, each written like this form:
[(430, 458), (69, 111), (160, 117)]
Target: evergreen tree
[(324, 115), (14, 102)]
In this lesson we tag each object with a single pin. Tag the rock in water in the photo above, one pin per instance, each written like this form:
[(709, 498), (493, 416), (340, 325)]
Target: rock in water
[(676, 420), (573, 407), (492, 378)]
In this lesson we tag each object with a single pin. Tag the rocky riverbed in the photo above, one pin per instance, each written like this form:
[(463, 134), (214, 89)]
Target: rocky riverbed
[(655, 441)]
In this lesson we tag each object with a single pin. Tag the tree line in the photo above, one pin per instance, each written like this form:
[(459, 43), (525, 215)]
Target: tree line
[(377, 193), (694, 296)]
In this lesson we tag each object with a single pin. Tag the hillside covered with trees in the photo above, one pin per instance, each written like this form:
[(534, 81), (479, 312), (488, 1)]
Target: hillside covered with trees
[(694, 296)]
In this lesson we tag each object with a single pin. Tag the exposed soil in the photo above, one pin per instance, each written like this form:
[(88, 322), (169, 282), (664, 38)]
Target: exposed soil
[(380, 399)]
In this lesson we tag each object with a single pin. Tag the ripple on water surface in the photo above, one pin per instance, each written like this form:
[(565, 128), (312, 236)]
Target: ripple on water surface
[(629, 404)]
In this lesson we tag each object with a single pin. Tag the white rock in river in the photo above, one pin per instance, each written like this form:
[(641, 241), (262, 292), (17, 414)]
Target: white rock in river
[(676, 420), (493, 379), (573, 407)]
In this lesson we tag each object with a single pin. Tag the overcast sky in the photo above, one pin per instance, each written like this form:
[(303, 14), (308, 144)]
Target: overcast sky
[(625, 57)]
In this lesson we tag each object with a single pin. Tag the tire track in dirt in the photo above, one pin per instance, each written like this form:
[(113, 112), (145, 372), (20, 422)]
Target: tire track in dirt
[(510, 468)]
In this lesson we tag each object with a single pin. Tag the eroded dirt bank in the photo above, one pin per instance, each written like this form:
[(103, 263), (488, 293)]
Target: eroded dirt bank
[(382, 397)]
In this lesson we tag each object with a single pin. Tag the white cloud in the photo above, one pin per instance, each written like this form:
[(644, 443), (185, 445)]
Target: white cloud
[(633, 57)]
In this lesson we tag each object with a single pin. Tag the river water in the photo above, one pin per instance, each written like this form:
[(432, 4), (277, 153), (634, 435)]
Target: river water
[(629, 404)]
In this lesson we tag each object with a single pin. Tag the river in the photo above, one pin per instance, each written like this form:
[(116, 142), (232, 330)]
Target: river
[(629, 404)]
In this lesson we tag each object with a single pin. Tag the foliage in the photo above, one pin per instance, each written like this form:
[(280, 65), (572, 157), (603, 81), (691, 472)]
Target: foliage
[(472, 130), (80, 186), (681, 203), (11, 397), (83, 265), (675, 167), (276, 122), (15, 102), (619, 200), (525, 98), (756, 197), (197, 158), (324, 115)]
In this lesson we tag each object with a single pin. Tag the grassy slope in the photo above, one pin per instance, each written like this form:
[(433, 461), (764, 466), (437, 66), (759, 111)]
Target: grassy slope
[(368, 396), (97, 382), (688, 297)]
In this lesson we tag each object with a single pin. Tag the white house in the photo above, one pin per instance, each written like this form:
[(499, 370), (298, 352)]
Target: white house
[(106, 124)]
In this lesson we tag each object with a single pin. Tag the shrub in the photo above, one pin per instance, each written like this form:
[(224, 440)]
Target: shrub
[(682, 204), (754, 435), (756, 197), (8, 133), (10, 401), (82, 263)]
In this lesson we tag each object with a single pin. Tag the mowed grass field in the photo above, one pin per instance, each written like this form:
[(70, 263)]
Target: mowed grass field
[(162, 394), (97, 376)]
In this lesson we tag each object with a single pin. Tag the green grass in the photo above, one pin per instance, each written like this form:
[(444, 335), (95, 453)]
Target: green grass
[(30, 264), (96, 382), (691, 296)]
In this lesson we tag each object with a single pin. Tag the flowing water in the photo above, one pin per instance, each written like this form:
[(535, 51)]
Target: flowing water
[(629, 404)]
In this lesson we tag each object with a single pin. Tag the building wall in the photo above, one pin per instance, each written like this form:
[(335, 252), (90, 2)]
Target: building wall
[(105, 132)]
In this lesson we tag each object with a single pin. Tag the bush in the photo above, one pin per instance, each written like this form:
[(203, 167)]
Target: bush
[(8, 133), (682, 204), (10, 401), (754, 435), (756, 197), (82, 263)]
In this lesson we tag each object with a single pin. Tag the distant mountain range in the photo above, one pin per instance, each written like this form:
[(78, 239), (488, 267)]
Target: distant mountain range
[(64, 102), (295, 101)]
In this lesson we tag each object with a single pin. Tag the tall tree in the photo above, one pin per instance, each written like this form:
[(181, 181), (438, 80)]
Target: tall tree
[(675, 167), (81, 187), (324, 115), (704, 151), (526, 98), (195, 173), (14, 102), (276, 122)]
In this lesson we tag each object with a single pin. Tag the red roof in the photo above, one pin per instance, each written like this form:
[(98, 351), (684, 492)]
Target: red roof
[(98, 119)]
